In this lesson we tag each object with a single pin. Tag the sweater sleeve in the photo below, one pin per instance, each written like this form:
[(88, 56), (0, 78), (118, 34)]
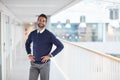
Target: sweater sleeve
[(27, 44), (58, 44)]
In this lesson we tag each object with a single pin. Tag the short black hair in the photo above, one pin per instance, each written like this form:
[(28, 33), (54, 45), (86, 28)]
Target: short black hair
[(43, 15)]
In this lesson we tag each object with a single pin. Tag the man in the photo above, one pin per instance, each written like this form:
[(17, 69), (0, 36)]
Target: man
[(43, 41)]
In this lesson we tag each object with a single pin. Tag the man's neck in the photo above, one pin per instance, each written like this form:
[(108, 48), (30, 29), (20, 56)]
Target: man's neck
[(40, 29)]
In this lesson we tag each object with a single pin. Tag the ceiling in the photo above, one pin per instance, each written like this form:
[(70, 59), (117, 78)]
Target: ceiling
[(28, 10)]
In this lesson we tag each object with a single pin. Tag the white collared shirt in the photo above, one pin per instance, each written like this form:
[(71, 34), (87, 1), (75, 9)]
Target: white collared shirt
[(38, 31)]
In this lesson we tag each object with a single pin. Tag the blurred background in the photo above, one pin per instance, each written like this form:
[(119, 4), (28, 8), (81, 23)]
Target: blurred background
[(89, 30)]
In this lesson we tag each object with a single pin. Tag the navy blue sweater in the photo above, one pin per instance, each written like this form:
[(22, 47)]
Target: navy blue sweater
[(42, 44)]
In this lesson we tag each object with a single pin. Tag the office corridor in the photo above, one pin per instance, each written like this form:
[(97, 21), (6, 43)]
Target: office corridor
[(89, 30)]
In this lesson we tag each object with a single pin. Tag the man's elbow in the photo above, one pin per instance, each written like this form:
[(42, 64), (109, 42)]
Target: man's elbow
[(61, 46)]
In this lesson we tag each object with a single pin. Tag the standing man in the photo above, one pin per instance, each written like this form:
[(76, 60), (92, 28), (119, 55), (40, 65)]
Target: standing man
[(43, 41)]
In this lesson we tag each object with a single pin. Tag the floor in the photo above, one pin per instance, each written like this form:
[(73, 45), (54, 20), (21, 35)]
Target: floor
[(21, 65)]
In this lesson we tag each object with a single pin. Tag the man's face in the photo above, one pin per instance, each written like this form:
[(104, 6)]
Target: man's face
[(41, 22)]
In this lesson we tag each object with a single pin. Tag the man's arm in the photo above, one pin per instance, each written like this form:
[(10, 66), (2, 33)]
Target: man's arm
[(28, 48), (59, 47), (58, 44), (28, 44)]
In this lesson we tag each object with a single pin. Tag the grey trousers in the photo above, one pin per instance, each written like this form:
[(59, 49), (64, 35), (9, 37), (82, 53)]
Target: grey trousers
[(39, 69)]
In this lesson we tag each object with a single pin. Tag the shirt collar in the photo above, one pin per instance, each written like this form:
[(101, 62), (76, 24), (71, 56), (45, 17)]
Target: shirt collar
[(38, 31)]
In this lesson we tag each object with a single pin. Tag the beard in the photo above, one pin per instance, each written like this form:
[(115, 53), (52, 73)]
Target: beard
[(41, 26)]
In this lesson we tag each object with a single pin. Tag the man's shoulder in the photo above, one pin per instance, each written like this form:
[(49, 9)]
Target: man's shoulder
[(34, 31), (49, 32)]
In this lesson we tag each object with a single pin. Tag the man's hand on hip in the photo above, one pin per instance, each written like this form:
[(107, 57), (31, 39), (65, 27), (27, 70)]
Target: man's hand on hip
[(32, 58), (45, 58)]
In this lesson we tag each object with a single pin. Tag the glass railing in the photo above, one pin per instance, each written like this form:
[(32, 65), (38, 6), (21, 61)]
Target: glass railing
[(80, 63), (56, 72)]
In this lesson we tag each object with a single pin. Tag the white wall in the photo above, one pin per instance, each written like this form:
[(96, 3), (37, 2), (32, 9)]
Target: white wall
[(15, 24), (12, 38)]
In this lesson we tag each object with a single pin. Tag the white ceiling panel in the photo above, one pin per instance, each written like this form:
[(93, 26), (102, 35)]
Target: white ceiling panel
[(27, 10)]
